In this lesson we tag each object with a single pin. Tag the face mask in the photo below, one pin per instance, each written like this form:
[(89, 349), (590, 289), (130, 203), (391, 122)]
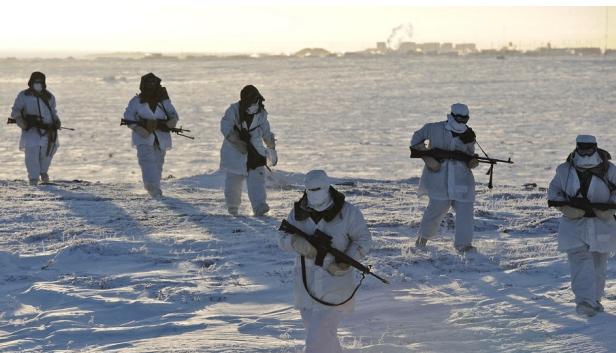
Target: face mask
[(38, 87), (586, 162), (455, 126), (253, 109), (319, 199)]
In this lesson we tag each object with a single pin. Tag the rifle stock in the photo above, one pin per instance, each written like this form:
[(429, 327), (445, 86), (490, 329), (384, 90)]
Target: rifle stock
[(340, 256)]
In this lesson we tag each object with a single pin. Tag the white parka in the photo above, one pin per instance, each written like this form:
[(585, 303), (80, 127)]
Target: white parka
[(598, 234), (232, 160), (351, 235), (164, 111), (454, 180), (29, 104)]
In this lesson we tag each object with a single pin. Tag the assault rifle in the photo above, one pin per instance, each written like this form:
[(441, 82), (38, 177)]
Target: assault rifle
[(461, 156), (161, 125), (322, 242), (13, 121), (583, 204)]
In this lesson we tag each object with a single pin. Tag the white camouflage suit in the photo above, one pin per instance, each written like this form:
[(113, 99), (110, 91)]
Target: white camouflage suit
[(233, 160), (33, 143), (151, 150), (453, 185), (586, 240), (351, 235)]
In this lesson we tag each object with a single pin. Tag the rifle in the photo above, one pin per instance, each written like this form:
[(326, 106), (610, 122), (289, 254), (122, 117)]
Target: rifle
[(13, 121), (160, 126), (583, 204), (463, 157), (322, 242)]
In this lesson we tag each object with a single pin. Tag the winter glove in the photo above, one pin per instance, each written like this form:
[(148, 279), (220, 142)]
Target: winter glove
[(303, 247), (171, 123), (468, 136), (270, 142), (21, 123), (604, 215), (572, 212), (150, 125), (57, 124), (272, 157), (473, 163), (141, 131), (337, 269), (432, 164)]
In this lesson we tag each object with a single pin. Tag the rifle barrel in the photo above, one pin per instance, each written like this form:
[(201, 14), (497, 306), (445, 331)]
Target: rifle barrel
[(493, 160)]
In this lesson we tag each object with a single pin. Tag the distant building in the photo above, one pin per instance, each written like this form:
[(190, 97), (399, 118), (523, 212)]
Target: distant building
[(381, 47), (430, 48), (549, 51), (407, 47), (466, 48), (446, 48), (587, 51)]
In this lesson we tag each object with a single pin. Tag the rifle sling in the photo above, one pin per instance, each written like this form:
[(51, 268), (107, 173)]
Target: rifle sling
[(320, 301)]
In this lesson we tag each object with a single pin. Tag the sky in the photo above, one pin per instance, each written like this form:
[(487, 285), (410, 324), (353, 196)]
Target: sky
[(185, 26)]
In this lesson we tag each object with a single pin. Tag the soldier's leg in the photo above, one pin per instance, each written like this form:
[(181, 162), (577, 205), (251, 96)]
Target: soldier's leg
[(257, 192), (464, 225)]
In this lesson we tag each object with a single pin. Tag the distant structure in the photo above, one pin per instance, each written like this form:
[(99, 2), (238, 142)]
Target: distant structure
[(407, 48), (430, 48), (466, 48), (587, 51), (447, 49), (313, 52), (463, 49)]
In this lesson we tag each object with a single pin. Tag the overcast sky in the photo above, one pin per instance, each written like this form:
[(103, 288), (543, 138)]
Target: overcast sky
[(199, 26)]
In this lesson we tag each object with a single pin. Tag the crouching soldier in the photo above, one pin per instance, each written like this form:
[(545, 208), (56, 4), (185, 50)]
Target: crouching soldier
[(243, 155), (34, 111), (149, 115), (448, 182), (584, 191), (324, 289)]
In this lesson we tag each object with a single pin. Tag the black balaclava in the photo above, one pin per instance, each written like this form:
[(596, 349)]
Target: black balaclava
[(37, 76), (150, 90), (40, 77), (249, 95)]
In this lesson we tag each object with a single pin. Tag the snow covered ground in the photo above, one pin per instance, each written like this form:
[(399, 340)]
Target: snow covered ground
[(92, 264), (101, 267)]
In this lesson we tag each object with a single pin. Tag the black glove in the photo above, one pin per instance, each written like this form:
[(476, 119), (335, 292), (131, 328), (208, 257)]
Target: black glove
[(468, 136), (244, 134), (31, 121)]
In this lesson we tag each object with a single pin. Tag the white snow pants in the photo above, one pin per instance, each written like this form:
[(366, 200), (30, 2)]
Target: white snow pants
[(434, 214), (321, 330), (588, 272), (151, 159), (256, 189), (37, 160)]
